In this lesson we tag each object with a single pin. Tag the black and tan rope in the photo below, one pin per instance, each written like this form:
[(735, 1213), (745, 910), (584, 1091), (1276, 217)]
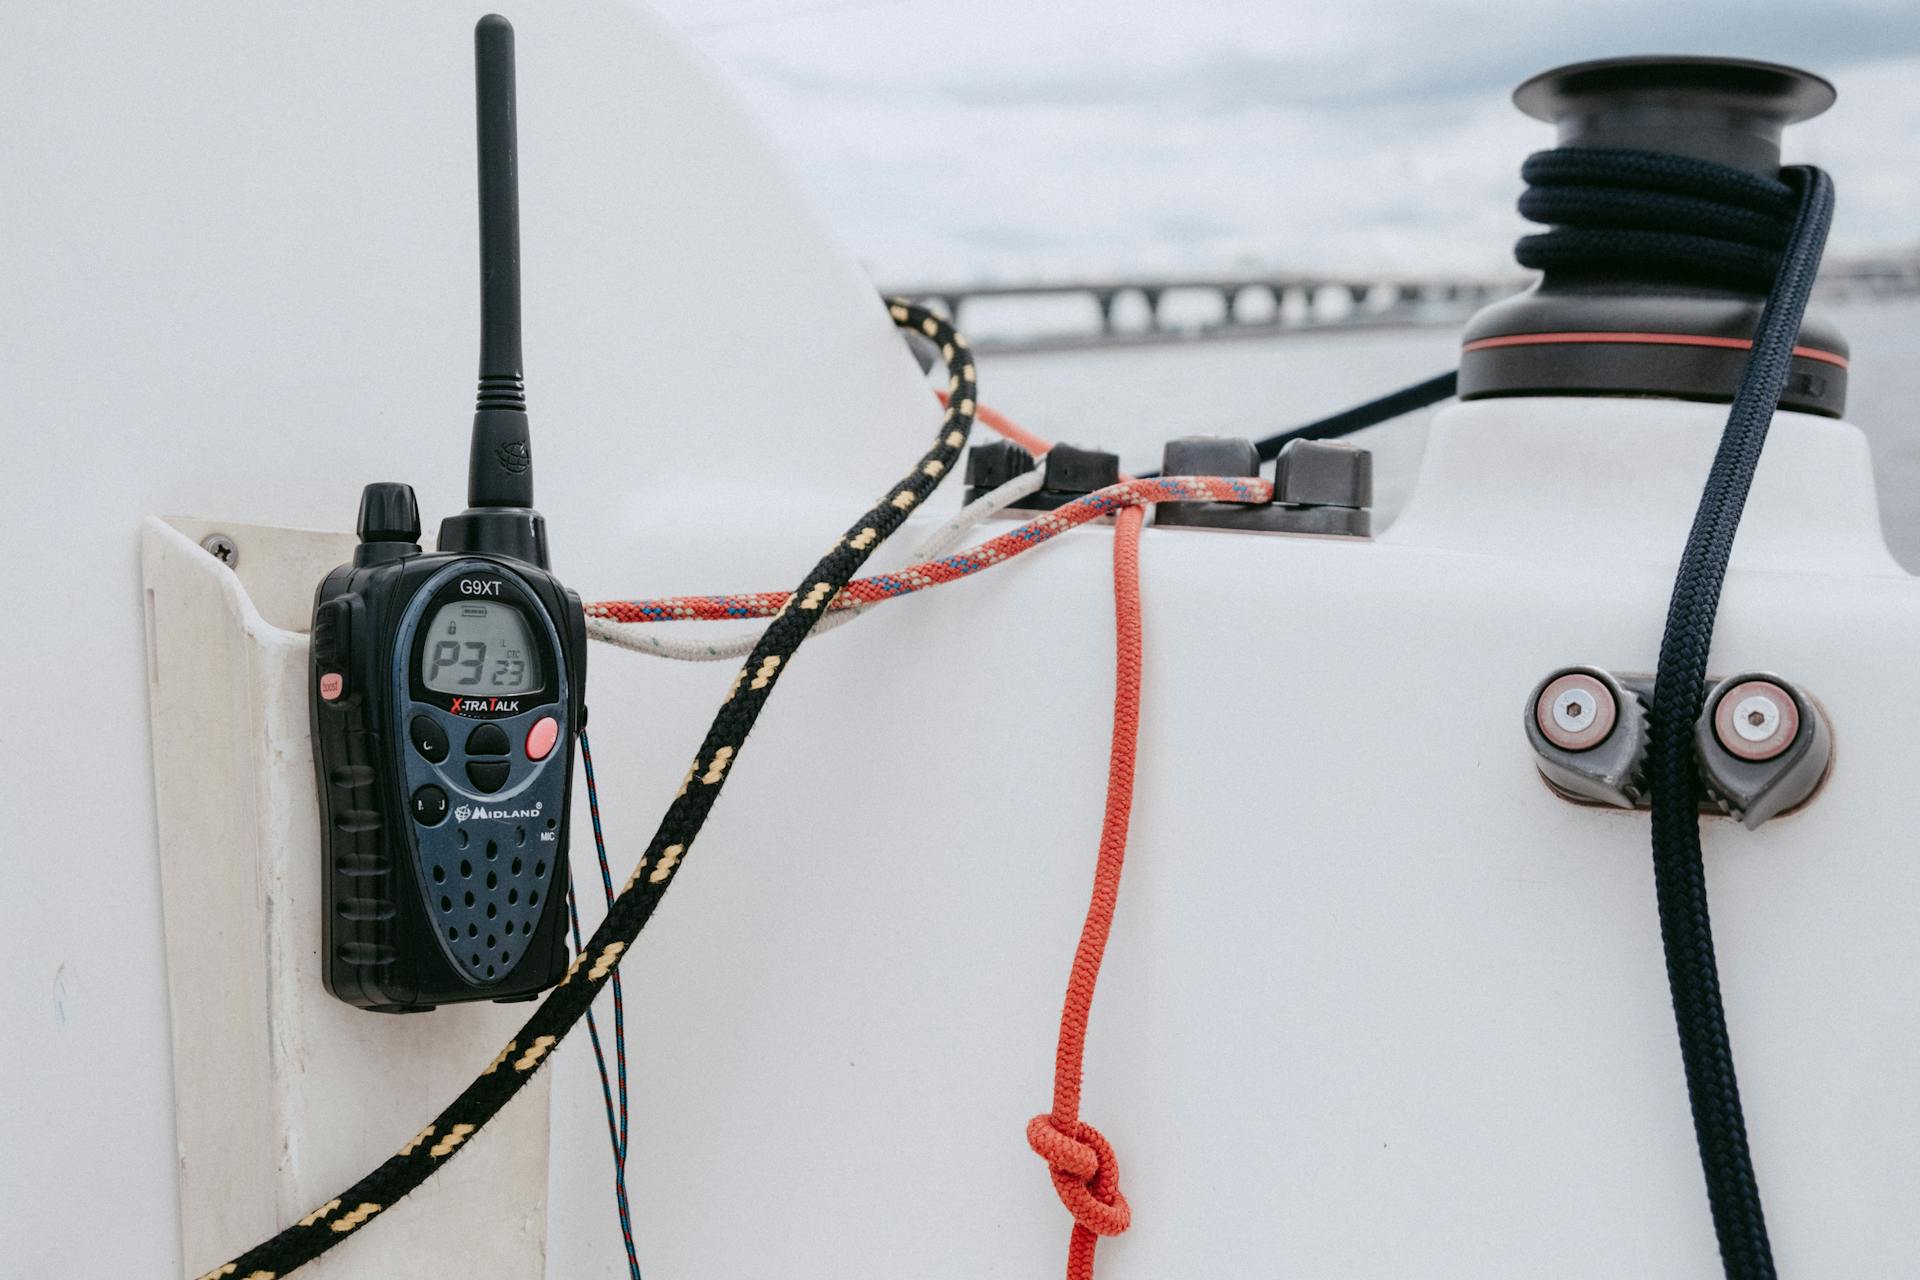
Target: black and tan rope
[(445, 1136)]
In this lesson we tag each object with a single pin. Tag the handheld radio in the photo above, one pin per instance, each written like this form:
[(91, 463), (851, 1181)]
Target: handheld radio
[(448, 687)]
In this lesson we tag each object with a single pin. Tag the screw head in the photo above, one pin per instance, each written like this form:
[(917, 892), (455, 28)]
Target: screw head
[(1756, 720), (221, 548), (1576, 712)]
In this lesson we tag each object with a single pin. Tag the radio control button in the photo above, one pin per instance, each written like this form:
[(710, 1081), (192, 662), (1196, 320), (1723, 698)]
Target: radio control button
[(329, 635), (429, 806), (486, 775), (540, 738), (429, 739), (487, 740), (332, 685), (351, 777)]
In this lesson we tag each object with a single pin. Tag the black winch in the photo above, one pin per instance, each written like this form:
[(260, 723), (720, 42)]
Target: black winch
[(1667, 215)]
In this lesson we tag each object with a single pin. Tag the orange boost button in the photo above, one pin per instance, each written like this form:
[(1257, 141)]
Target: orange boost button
[(540, 738)]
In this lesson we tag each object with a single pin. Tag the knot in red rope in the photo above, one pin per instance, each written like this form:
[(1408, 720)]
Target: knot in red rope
[(1086, 1176)]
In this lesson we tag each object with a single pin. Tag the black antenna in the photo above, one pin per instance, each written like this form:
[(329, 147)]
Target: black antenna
[(499, 518), (501, 473)]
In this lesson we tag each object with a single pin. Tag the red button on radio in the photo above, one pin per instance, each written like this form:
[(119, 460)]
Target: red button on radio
[(332, 684), (540, 738)]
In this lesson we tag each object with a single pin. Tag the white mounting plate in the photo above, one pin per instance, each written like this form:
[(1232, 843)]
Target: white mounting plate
[(282, 1094)]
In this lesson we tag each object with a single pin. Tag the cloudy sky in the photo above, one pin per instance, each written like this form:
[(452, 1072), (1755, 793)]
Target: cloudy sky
[(1017, 139)]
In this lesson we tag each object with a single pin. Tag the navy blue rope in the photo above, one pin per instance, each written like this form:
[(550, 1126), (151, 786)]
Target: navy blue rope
[(1677, 218), (1680, 883)]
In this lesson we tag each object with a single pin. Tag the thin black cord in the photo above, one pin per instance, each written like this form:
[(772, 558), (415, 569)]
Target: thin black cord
[(619, 995), (616, 1119), (606, 1097), (1428, 391)]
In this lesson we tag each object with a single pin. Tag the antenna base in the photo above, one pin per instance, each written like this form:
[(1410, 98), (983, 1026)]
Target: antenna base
[(519, 533)]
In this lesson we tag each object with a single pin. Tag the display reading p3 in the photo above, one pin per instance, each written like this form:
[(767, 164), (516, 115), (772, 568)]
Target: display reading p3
[(480, 648), (448, 687)]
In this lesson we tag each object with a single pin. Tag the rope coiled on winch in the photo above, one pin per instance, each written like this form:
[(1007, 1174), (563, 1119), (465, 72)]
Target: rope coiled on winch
[(523, 1056), (1616, 212)]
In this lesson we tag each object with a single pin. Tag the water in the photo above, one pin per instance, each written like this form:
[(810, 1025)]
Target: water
[(1131, 399)]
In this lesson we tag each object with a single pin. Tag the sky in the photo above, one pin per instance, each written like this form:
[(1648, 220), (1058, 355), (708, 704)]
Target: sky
[(1018, 140)]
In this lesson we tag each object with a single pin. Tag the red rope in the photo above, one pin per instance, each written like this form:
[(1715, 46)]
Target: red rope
[(1080, 1160), (1125, 496), (1085, 1173)]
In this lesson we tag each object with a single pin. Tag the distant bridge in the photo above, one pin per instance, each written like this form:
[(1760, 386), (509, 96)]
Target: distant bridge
[(1068, 314), (1174, 308)]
